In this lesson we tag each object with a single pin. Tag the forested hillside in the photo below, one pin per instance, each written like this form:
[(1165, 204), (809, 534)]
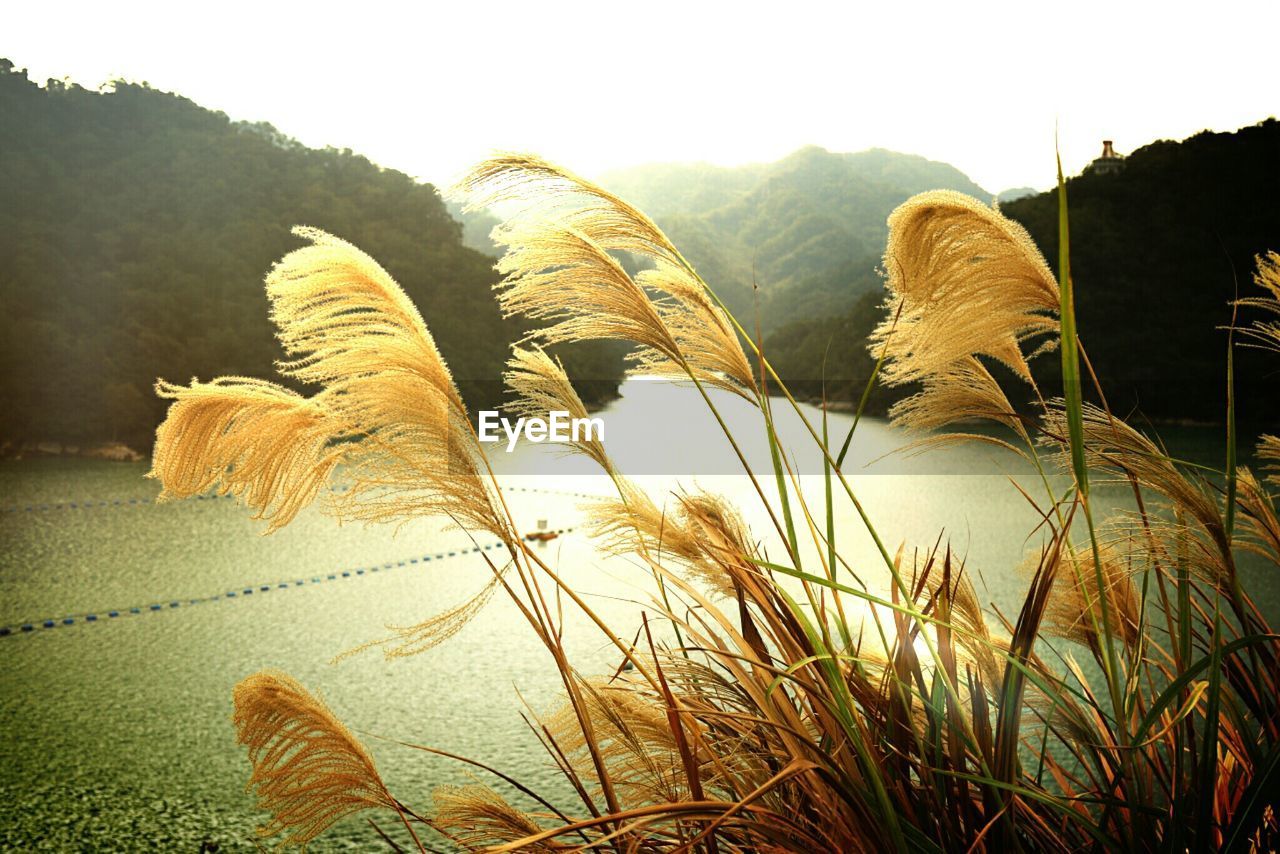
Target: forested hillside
[(1158, 250), (135, 231), (809, 229), (136, 227)]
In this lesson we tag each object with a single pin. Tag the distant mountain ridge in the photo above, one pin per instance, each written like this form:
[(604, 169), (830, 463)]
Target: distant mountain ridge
[(791, 227)]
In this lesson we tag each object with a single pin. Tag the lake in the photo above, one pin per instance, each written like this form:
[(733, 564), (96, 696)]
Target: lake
[(117, 729)]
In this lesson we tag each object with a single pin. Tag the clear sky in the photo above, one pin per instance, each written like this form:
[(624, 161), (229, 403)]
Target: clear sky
[(428, 88)]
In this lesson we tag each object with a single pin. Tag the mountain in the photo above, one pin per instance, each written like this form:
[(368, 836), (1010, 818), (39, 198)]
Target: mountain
[(135, 231), (1158, 250), (476, 227), (808, 230), (1015, 193)]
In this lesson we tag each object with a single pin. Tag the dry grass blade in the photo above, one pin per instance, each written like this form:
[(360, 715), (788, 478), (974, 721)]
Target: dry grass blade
[(309, 771), (1075, 607), (250, 438), (633, 734)]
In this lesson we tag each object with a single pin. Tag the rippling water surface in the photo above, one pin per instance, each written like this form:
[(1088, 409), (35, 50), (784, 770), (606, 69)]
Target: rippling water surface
[(117, 732)]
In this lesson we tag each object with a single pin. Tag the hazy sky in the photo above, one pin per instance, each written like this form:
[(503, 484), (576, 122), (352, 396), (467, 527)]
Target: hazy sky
[(429, 88)]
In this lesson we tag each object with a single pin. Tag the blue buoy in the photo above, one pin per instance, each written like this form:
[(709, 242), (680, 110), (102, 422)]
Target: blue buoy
[(113, 613), (173, 604), (231, 594), (67, 621), (359, 572), (135, 610), (92, 618), (155, 607), (282, 585), (332, 577), (413, 560), (27, 627), (266, 588), (248, 592), (4, 631), (48, 624), (346, 575)]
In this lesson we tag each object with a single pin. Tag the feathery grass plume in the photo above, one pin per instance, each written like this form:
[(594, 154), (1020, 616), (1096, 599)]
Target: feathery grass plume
[(309, 771), (723, 541), (969, 282), (634, 522), (1075, 605), (962, 391), (633, 735), (541, 190), (556, 273), (1261, 527), (559, 269), (700, 531), (1110, 444), (1264, 333), (703, 332), (477, 817), (408, 641), (249, 438), (348, 326), (1269, 452), (541, 386)]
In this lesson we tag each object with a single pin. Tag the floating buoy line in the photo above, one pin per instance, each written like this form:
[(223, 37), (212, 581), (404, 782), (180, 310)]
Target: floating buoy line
[(150, 501), (240, 591)]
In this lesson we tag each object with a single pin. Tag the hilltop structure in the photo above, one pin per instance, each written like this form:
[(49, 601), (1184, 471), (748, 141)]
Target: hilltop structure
[(1108, 164)]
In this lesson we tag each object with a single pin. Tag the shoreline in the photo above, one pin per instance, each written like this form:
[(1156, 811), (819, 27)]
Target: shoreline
[(112, 451)]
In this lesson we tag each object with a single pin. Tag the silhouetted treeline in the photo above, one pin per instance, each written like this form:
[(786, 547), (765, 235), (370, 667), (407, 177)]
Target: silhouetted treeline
[(1157, 251), (135, 231)]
